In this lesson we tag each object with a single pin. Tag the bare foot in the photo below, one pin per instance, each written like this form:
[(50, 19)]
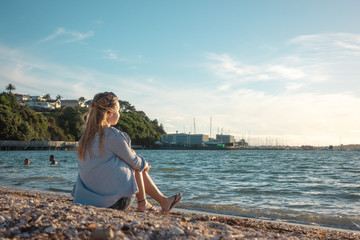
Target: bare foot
[(171, 202)]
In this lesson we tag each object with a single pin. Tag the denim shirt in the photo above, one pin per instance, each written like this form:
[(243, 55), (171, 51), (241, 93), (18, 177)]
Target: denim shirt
[(105, 177)]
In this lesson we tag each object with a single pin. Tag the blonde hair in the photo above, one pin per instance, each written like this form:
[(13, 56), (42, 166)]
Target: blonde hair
[(96, 119)]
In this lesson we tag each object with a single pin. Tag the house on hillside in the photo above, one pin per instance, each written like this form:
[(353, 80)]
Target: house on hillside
[(72, 103), (37, 98), (21, 97), (49, 105), (55, 103)]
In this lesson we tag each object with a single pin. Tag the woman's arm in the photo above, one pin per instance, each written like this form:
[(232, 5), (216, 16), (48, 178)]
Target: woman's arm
[(121, 148), (147, 166)]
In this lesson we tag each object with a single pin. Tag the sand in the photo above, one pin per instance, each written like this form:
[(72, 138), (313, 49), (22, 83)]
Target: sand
[(44, 215)]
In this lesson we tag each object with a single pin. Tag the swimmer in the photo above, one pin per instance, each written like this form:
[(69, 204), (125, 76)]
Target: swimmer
[(52, 160)]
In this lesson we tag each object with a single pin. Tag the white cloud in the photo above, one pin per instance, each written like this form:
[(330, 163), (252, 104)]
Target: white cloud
[(228, 68), (224, 87), (113, 55), (286, 72), (323, 63), (67, 36), (334, 44), (293, 86)]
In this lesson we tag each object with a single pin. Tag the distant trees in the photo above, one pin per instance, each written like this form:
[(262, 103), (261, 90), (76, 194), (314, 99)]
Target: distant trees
[(70, 120), (10, 88), (140, 128), (125, 106), (47, 97), (19, 122)]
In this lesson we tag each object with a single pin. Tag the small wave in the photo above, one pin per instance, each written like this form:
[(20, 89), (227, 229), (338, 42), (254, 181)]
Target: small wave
[(171, 169), (337, 221), (39, 178), (52, 189)]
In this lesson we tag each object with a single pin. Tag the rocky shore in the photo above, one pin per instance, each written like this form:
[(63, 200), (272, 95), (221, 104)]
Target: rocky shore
[(30, 215)]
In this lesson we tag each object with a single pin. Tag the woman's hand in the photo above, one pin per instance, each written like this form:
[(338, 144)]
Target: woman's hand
[(147, 167)]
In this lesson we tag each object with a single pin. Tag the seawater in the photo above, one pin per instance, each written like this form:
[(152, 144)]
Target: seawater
[(311, 187)]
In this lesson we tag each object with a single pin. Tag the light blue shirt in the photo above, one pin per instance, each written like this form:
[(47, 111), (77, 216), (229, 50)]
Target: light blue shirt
[(105, 177)]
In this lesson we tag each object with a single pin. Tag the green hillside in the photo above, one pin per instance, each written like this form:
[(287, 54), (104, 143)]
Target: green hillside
[(20, 122)]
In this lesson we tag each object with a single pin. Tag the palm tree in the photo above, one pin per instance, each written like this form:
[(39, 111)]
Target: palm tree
[(10, 87), (58, 97)]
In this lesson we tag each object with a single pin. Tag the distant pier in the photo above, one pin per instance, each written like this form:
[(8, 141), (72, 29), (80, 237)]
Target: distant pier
[(37, 145)]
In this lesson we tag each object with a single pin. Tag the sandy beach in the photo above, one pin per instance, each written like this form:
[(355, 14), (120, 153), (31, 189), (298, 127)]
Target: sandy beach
[(45, 215)]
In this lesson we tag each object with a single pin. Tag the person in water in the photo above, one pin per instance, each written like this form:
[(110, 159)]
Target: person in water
[(110, 171), (27, 161), (52, 160)]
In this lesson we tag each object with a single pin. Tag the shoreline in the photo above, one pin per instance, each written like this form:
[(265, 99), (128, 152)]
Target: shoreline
[(37, 214)]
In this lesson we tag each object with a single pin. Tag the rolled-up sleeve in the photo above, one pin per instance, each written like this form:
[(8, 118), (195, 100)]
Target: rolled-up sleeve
[(119, 144)]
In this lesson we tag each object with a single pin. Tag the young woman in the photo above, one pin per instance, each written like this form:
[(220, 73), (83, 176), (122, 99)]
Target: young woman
[(110, 172)]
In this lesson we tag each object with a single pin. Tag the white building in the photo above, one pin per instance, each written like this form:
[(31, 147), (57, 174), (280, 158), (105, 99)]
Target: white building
[(37, 98), (44, 105), (184, 139), (21, 97), (226, 139), (72, 103)]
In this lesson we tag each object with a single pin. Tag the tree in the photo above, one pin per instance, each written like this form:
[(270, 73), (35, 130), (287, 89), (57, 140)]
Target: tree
[(47, 97), (58, 97), (18, 122), (125, 106), (10, 87), (70, 120)]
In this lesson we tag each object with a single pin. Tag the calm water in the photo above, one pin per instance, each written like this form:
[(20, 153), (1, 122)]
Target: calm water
[(313, 187)]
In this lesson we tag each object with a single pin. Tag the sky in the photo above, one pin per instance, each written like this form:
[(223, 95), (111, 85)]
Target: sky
[(272, 72)]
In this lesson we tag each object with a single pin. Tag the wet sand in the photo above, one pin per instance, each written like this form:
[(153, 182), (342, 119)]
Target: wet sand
[(31, 214)]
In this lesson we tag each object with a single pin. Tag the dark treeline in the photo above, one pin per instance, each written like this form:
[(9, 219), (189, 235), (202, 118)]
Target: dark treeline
[(20, 122)]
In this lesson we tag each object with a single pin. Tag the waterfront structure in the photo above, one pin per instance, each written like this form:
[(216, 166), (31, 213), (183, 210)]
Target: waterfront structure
[(184, 139), (226, 139), (37, 145)]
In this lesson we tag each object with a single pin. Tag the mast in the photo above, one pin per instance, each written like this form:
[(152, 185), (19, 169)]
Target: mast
[(194, 126), (210, 125)]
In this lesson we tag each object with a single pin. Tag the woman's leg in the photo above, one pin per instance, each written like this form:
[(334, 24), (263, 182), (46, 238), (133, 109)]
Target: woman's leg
[(146, 185), (140, 183)]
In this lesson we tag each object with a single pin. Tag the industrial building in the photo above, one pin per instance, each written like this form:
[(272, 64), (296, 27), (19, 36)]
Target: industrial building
[(183, 139), (226, 139)]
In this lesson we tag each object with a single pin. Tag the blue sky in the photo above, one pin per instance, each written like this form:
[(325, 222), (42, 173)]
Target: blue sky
[(273, 72)]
